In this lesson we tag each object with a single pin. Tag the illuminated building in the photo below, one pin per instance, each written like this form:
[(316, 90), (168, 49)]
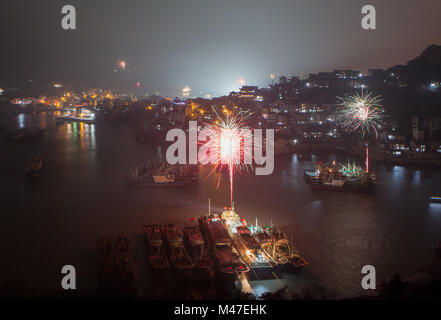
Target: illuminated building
[(248, 92), (186, 91)]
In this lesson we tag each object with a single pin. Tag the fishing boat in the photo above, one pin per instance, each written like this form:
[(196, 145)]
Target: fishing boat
[(253, 249), (339, 177), (267, 245), (196, 247), (224, 254), (156, 254), (78, 114), (284, 250), (104, 263), (245, 244), (125, 281), (177, 253), (162, 174), (35, 167), (334, 181), (122, 244)]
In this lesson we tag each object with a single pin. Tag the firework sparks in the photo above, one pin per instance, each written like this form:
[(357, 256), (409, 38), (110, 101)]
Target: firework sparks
[(232, 148), (122, 65), (361, 112)]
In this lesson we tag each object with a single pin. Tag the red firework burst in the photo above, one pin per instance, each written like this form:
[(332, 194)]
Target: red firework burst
[(230, 145)]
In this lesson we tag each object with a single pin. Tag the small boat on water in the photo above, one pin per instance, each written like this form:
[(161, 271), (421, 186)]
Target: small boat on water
[(177, 253), (196, 247), (156, 254), (35, 167)]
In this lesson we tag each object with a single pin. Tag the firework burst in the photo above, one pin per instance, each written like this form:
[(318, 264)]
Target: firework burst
[(232, 145), (361, 112)]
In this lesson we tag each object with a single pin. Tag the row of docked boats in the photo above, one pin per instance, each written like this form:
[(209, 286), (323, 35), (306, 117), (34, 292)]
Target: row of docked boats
[(223, 241), (115, 274), (181, 248), (261, 246)]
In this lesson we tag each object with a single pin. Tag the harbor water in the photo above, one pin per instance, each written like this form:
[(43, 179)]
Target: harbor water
[(55, 219)]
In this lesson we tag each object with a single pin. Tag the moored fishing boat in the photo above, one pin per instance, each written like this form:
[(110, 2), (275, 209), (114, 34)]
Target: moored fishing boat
[(266, 244), (225, 256), (123, 268), (176, 251), (162, 174), (156, 255), (253, 249), (284, 250), (104, 263), (246, 245), (338, 177), (196, 247)]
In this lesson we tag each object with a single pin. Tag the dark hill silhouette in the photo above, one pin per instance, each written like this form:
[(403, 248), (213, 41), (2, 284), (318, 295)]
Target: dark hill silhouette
[(423, 69)]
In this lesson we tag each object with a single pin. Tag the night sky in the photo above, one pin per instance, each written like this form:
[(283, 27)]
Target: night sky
[(207, 45)]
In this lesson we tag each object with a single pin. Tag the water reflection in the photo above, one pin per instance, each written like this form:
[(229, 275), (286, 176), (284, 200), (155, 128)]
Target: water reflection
[(42, 120), (80, 136), (435, 209), (398, 173), (416, 177), (21, 120)]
